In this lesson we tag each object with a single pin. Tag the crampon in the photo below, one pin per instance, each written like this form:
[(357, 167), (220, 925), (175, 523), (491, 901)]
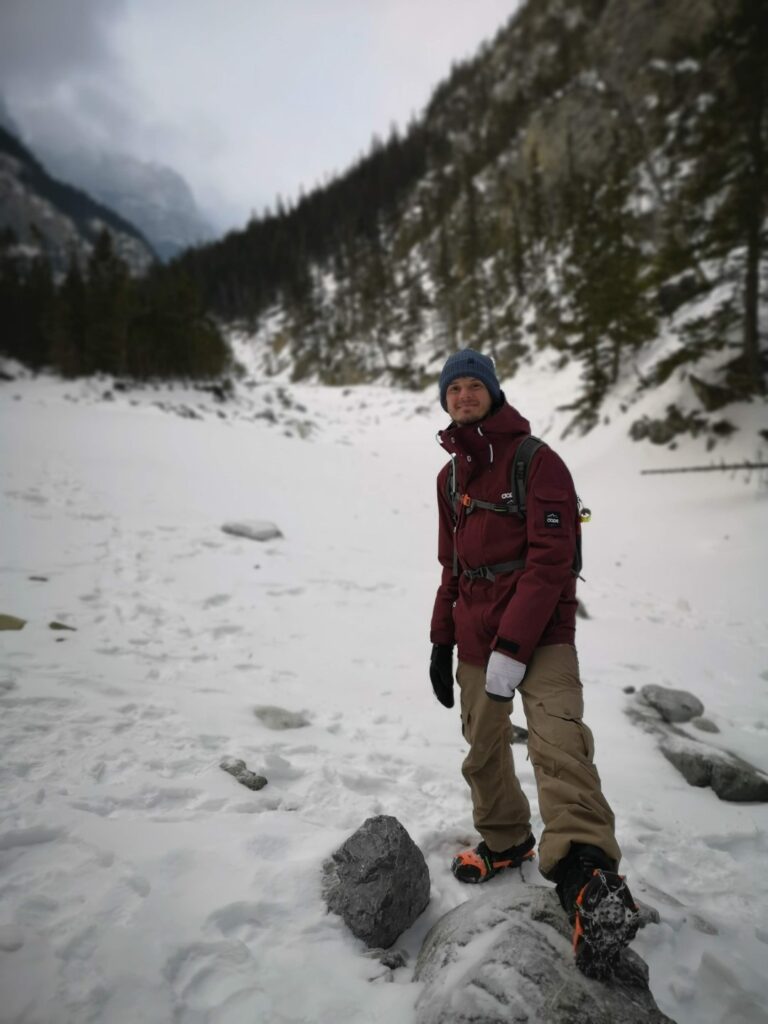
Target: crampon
[(606, 921)]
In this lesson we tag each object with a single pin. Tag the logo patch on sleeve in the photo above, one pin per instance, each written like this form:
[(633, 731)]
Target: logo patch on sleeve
[(552, 519)]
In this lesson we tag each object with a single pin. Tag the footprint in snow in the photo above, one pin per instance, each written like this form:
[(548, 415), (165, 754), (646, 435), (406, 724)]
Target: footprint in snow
[(215, 981), (244, 920), (33, 836)]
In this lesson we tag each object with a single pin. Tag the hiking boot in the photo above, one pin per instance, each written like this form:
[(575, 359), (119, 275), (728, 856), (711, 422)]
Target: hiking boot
[(600, 907), (480, 864), (606, 921)]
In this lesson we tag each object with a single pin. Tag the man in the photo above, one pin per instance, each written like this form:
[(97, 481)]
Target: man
[(507, 600)]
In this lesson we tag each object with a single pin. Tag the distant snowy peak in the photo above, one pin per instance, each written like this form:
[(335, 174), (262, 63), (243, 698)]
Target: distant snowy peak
[(53, 219), (153, 197)]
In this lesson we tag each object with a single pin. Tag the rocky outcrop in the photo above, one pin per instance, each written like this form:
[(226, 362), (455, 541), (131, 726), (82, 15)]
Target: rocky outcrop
[(377, 881), (505, 956)]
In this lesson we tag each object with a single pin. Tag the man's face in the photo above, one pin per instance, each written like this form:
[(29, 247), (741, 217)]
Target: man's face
[(468, 400)]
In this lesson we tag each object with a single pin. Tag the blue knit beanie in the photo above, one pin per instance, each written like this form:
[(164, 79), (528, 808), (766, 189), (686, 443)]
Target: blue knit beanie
[(469, 363)]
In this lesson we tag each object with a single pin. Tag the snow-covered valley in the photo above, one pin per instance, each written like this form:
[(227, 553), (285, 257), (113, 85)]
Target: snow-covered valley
[(140, 883)]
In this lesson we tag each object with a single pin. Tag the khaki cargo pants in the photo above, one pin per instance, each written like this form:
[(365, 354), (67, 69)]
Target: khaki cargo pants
[(560, 747)]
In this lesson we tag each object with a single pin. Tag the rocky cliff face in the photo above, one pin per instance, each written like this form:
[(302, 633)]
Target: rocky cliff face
[(593, 181), (49, 218)]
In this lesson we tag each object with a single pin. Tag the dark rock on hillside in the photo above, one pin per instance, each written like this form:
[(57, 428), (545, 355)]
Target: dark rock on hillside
[(505, 956), (377, 881)]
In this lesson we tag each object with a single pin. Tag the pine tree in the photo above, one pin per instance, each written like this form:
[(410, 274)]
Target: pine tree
[(37, 297), (727, 184), (69, 326), (446, 284), (109, 310), (609, 314)]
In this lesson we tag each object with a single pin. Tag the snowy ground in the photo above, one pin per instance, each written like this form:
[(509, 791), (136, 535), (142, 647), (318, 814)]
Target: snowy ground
[(140, 883)]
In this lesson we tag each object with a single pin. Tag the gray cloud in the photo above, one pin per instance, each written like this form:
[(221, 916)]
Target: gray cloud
[(43, 43), (247, 99)]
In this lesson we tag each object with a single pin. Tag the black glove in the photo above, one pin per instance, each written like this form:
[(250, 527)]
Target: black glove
[(441, 673)]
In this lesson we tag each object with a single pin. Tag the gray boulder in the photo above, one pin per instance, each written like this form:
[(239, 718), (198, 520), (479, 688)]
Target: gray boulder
[(672, 705), (505, 956), (730, 777), (694, 765), (377, 881)]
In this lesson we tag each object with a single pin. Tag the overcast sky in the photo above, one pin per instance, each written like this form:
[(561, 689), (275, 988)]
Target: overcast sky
[(247, 99)]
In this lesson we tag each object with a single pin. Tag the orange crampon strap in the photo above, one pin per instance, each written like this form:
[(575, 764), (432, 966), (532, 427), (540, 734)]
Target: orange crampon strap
[(578, 927), (472, 859), (487, 865)]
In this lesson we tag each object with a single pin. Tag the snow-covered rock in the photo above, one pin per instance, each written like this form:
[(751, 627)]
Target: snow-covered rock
[(255, 529), (238, 769), (277, 718), (505, 956), (377, 881)]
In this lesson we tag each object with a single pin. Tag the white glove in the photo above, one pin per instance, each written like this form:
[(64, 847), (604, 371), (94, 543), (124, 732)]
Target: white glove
[(503, 676)]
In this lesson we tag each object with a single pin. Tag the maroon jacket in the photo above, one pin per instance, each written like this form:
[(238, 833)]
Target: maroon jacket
[(529, 607)]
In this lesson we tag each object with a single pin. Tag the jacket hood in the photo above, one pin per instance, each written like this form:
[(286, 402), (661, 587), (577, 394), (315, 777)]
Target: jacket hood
[(476, 439)]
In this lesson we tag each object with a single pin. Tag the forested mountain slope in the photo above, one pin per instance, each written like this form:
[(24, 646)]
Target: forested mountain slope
[(594, 180)]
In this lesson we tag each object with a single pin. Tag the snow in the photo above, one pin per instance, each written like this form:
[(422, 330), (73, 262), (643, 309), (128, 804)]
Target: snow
[(140, 882)]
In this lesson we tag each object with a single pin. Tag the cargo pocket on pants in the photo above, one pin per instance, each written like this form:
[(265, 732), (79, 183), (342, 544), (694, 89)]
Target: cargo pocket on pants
[(556, 728)]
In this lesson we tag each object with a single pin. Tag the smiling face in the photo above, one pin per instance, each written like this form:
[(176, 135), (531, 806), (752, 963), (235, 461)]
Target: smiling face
[(468, 400)]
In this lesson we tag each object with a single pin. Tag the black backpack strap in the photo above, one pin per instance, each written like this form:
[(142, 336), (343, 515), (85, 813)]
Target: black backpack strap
[(527, 448), (453, 500), (490, 572), (450, 488)]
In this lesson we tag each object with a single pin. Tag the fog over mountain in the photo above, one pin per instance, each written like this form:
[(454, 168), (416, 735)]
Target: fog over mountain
[(155, 198)]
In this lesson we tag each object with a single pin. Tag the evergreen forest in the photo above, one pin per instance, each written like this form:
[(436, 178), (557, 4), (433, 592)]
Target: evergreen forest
[(100, 318)]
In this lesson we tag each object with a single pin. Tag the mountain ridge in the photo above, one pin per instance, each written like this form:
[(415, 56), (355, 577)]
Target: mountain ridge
[(55, 218)]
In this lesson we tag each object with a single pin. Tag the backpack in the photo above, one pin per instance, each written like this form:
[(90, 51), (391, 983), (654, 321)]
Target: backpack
[(515, 504)]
